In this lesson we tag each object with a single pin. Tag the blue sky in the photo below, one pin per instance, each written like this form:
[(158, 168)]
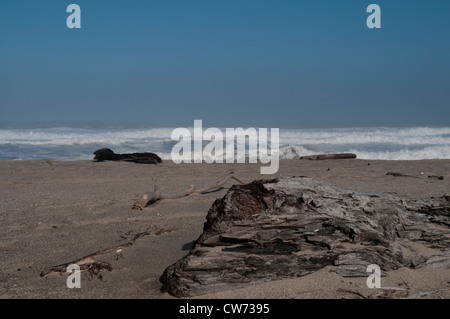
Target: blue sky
[(269, 63)]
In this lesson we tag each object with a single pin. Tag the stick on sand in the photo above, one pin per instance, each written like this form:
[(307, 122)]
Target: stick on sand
[(156, 194)]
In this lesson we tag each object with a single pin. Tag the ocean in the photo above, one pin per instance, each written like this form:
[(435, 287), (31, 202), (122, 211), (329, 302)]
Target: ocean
[(78, 143)]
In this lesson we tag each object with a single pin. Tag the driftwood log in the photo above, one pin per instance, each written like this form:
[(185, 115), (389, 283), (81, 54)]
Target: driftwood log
[(328, 156), (151, 197), (106, 154), (284, 228)]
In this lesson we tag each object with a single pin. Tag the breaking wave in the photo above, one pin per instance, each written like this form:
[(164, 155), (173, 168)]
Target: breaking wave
[(66, 143)]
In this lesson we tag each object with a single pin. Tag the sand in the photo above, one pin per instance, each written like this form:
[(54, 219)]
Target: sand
[(53, 212)]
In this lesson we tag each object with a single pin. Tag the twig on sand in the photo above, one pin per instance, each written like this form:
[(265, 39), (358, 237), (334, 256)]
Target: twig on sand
[(400, 175), (156, 194), (85, 262), (88, 263), (352, 292)]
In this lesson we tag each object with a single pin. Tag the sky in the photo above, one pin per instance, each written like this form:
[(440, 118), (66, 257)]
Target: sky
[(266, 63)]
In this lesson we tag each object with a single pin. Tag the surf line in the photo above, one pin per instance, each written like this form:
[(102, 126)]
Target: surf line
[(236, 139)]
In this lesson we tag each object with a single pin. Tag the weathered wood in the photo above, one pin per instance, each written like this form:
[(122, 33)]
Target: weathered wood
[(89, 262), (106, 154), (400, 175), (328, 156), (84, 262), (290, 227), (151, 197)]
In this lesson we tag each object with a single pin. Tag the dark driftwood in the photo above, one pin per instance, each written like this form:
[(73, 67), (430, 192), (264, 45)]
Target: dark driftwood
[(105, 154), (156, 194), (404, 175), (328, 156), (276, 229), (400, 175)]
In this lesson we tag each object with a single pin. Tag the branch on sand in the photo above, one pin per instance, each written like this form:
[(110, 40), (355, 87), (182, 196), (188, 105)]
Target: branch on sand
[(86, 262), (89, 262), (156, 194)]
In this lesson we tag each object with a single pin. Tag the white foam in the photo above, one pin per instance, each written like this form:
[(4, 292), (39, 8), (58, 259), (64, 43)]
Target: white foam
[(65, 143), (433, 152), (71, 136), (401, 136)]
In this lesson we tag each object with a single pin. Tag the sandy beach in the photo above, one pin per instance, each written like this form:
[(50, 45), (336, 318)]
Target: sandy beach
[(53, 212)]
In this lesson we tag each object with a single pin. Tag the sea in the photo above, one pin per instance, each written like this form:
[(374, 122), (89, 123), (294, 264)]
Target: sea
[(79, 143)]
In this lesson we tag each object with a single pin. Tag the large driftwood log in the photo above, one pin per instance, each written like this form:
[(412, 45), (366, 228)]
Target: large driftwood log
[(328, 156), (151, 197), (290, 227), (106, 154)]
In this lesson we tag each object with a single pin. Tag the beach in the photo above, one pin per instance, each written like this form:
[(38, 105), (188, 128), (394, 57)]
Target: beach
[(54, 212)]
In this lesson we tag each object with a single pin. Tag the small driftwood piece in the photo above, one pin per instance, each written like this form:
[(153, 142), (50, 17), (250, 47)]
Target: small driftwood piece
[(87, 262), (328, 156), (400, 175), (151, 197), (105, 154)]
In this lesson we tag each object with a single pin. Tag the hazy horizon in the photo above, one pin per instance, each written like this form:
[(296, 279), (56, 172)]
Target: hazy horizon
[(189, 124)]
